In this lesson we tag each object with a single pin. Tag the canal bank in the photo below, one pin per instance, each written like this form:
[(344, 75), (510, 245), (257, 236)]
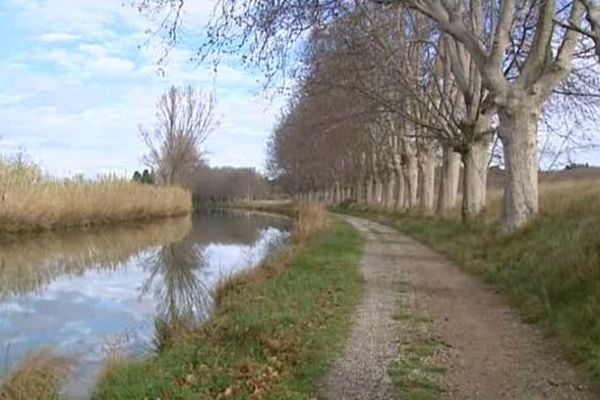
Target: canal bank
[(273, 335), (83, 296)]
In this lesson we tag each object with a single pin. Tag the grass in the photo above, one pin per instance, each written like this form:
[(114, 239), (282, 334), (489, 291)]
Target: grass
[(549, 270), (416, 373), (39, 377), (31, 201), (273, 335)]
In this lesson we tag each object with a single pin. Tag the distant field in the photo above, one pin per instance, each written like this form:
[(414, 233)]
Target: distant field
[(496, 177)]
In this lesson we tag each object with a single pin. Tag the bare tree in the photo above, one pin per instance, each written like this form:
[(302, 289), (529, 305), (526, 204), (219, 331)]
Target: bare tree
[(184, 119), (506, 59)]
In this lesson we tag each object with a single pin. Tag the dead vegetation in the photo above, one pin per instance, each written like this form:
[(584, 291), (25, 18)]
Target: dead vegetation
[(311, 219), (39, 376), (32, 201)]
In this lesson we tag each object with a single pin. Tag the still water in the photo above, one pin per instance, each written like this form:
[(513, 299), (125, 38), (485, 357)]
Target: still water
[(86, 294)]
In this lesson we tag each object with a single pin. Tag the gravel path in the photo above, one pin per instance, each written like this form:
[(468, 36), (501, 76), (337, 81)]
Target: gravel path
[(488, 353)]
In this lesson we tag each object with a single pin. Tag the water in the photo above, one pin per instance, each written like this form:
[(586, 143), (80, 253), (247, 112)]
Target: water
[(87, 294)]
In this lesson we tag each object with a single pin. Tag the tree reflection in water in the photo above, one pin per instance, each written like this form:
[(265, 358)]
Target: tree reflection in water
[(176, 283), (175, 280)]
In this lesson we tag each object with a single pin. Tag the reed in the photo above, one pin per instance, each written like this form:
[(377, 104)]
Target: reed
[(32, 201), (311, 219), (39, 376)]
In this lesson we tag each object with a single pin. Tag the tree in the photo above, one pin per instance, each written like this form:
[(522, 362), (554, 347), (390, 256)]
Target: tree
[(137, 177), (147, 177), (506, 58), (184, 119)]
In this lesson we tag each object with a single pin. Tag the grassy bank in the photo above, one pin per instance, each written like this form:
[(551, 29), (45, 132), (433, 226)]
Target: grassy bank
[(31, 201), (273, 335), (549, 270)]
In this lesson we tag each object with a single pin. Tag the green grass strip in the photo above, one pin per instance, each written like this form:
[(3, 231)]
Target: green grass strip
[(273, 336), (549, 270)]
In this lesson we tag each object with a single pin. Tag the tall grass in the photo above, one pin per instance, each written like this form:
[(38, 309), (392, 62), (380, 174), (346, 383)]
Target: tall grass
[(31, 201), (311, 219), (39, 376)]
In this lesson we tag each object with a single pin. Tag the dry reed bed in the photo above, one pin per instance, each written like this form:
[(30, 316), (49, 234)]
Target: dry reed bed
[(30, 201), (311, 219), (40, 376)]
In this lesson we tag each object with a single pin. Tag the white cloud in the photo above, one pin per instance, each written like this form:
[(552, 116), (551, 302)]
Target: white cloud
[(57, 37), (110, 66), (75, 97)]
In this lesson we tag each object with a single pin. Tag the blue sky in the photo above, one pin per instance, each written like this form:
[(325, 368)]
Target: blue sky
[(75, 85)]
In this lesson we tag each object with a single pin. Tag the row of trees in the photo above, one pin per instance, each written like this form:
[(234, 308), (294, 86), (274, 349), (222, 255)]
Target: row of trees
[(391, 88), (228, 184)]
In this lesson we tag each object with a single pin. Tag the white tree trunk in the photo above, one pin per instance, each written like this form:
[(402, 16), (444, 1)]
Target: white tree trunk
[(400, 203), (475, 165), (426, 180), (518, 132), (369, 192), (411, 176), (390, 192), (378, 192), (360, 193), (448, 181)]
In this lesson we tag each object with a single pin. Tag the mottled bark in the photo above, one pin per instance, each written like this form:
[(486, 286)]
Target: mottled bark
[(411, 175), (518, 132), (378, 192), (390, 192), (401, 203), (426, 180), (448, 185), (475, 165)]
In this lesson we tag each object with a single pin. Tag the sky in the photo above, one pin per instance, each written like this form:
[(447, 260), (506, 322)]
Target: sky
[(77, 78)]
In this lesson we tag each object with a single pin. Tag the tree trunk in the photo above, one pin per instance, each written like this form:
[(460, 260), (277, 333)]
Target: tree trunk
[(390, 192), (518, 132), (400, 203), (475, 164), (369, 192), (426, 180), (449, 181), (411, 176), (378, 188), (361, 193)]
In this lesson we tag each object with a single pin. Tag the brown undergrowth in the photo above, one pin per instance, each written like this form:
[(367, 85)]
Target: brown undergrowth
[(39, 377)]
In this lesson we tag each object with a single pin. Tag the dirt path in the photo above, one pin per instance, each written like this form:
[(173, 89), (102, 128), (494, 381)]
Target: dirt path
[(488, 353)]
